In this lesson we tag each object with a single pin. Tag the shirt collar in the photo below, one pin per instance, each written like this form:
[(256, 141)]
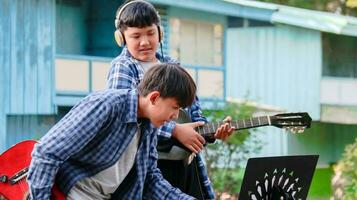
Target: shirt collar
[(132, 115), (131, 103)]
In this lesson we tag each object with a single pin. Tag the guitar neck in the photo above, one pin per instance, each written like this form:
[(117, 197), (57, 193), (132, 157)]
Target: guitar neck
[(209, 129)]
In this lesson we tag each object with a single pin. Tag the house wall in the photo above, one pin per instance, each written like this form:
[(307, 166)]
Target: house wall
[(71, 27), (100, 28), (25, 127), (278, 66), (31, 127), (325, 139), (86, 27), (197, 40), (27, 56), (26, 59)]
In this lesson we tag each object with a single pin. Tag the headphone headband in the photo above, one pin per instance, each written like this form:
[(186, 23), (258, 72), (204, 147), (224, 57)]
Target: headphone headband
[(117, 17)]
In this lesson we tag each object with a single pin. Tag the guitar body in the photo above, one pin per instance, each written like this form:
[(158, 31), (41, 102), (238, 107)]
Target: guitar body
[(172, 149), (14, 164)]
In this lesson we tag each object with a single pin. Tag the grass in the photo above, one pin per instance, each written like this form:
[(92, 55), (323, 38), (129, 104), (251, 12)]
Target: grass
[(320, 187)]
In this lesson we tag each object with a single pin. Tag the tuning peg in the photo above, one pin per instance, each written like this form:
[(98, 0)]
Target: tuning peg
[(301, 130), (288, 129)]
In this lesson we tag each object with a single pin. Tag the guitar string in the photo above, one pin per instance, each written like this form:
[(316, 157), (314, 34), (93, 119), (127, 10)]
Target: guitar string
[(23, 183), (255, 121), (22, 186)]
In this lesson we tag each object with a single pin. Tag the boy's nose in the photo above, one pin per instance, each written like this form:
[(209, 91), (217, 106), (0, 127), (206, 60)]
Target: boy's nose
[(144, 41)]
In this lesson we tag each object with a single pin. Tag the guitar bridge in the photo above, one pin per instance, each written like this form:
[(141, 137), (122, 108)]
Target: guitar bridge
[(20, 175)]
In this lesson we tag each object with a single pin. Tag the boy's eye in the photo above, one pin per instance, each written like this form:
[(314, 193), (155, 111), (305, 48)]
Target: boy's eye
[(135, 36)]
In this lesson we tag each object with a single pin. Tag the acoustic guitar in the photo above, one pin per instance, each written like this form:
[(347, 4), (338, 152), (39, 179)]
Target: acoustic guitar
[(14, 165), (172, 149)]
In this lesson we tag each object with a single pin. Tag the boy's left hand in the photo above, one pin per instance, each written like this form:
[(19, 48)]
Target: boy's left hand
[(225, 130)]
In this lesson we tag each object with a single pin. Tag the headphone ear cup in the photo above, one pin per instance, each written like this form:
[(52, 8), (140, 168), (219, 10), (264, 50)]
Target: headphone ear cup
[(119, 38), (161, 33)]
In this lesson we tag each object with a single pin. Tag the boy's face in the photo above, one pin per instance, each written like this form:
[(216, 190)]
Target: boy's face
[(163, 110), (142, 43)]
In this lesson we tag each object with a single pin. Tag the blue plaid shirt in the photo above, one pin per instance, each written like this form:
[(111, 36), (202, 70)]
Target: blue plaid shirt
[(126, 72), (91, 138)]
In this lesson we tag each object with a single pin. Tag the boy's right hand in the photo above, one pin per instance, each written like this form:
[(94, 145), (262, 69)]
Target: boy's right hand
[(186, 135)]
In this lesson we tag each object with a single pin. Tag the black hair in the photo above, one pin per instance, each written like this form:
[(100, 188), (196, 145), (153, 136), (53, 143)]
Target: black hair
[(138, 14), (171, 80)]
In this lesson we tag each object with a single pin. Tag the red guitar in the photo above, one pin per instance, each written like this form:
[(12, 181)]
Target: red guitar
[(14, 165)]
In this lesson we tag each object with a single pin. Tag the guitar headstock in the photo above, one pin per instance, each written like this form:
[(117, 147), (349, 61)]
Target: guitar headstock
[(294, 122)]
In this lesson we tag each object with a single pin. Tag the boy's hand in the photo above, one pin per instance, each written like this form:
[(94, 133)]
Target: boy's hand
[(225, 130), (186, 135)]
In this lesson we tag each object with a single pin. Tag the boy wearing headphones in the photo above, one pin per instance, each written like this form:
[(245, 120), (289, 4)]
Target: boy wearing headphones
[(139, 32), (105, 147)]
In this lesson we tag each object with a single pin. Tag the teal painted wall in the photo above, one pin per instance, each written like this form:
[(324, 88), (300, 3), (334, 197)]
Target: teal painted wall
[(25, 127), (278, 66), (26, 59), (100, 24), (219, 7), (86, 27), (195, 15), (27, 56), (71, 27)]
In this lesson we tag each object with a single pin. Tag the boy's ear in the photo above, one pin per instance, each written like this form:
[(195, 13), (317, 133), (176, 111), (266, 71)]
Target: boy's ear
[(153, 96)]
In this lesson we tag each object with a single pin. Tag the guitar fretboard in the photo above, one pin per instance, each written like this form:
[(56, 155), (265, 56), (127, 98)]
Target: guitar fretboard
[(210, 128)]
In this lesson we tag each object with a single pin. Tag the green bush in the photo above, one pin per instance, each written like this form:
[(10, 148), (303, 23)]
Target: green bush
[(224, 158), (344, 182)]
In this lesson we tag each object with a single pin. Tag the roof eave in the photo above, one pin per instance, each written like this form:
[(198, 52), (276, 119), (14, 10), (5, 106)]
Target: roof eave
[(221, 7)]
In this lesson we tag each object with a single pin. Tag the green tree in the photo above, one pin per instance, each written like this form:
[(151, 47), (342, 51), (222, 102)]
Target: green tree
[(344, 7), (224, 158), (351, 3), (344, 181)]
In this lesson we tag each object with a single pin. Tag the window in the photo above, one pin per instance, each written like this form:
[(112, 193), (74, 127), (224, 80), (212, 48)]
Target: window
[(199, 47)]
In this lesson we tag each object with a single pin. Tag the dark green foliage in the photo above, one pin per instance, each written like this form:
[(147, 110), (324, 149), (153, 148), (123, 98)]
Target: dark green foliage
[(336, 6), (345, 179)]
